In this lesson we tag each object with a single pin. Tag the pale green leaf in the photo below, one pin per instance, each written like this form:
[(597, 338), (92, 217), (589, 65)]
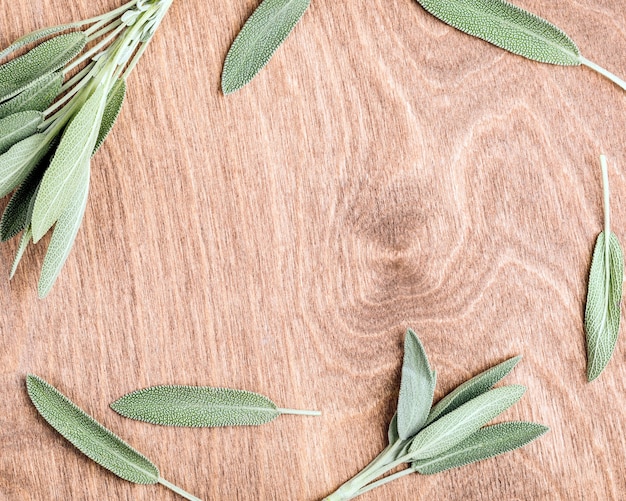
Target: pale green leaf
[(196, 406), (114, 103), (603, 309), (37, 96), (485, 443), (456, 426), (508, 27), (62, 178), (63, 236), (265, 30), (89, 436), (18, 126), (46, 58), (34, 36), (417, 387), (24, 241), (472, 388), (392, 432), (20, 160)]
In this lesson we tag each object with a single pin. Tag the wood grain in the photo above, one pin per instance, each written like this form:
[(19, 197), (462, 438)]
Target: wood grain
[(384, 171)]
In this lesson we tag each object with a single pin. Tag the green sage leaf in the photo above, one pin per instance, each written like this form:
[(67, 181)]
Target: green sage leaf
[(34, 37), (456, 426), (15, 215), (603, 309), (62, 178), (24, 241), (63, 236), (196, 406), (472, 388), (392, 432), (508, 27), (112, 109), (46, 58), (37, 96), (486, 443), (20, 160), (265, 30), (417, 387), (18, 126)]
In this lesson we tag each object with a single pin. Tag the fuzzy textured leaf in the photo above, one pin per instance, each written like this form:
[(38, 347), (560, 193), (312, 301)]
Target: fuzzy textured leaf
[(112, 109), (24, 241), (392, 432), (89, 436), (265, 30), (417, 387), (37, 96), (46, 58), (33, 37), (486, 443), (63, 236), (603, 309), (20, 160), (472, 388), (62, 178), (15, 215), (18, 126), (456, 426), (196, 406), (508, 27)]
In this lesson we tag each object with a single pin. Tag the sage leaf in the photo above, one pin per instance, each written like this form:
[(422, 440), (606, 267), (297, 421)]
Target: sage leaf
[(46, 58), (264, 31), (20, 160), (70, 160), (34, 37), (199, 406), (37, 96), (508, 27), (63, 236), (91, 438), (15, 215), (456, 426), (472, 388), (24, 241), (112, 109), (486, 443), (417, 387), (18, 126), (392, 432)]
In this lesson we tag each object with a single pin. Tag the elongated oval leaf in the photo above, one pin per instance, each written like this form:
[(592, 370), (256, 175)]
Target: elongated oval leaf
[(62, 178), (265, 30), (24, 241), (485, 443), (20, 160), (63, 236), (508, 27), (114, 103), (196, 406), (33, 37), (43, 59), (603, 309), (417, 387), (18, 126), (15, 215), (37, 96), (89, 436), (456, 426), (472, 388)]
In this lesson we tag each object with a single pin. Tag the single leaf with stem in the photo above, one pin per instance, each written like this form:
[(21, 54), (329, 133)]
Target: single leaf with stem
[(514, 29), (604, 292), (17, 163), (172, 405), (37, 96), (91, 438)]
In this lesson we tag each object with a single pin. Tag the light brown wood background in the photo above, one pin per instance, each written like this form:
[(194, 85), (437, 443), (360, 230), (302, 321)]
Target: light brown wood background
[(384, 171)]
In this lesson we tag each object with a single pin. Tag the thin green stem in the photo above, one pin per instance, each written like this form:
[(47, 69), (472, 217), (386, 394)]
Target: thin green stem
[(109, 15), (383, 481), (613, 78), (605, 190), (177, 490), (97, 48), (94, 28), (299, 412)]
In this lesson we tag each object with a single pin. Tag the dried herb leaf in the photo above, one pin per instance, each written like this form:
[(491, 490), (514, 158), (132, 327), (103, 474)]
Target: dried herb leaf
[(114, 103), (508, 27), (37, 96), (472, 388), (46, 58), (18, 126), (417, 387), (485, 443), (456, 426), (20, 160), (265, 30)]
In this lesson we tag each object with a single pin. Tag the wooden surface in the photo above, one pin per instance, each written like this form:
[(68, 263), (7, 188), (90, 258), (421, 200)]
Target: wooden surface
[(383, 172)]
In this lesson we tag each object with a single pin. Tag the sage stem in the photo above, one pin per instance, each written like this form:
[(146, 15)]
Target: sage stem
[(177, 490), (613, 78)]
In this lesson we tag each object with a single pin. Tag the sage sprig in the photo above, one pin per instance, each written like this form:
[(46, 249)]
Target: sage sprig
[(604, 293), (453, 433), (92, 439), (58, 102), (200, 406), (514, 29), (264, 31)]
